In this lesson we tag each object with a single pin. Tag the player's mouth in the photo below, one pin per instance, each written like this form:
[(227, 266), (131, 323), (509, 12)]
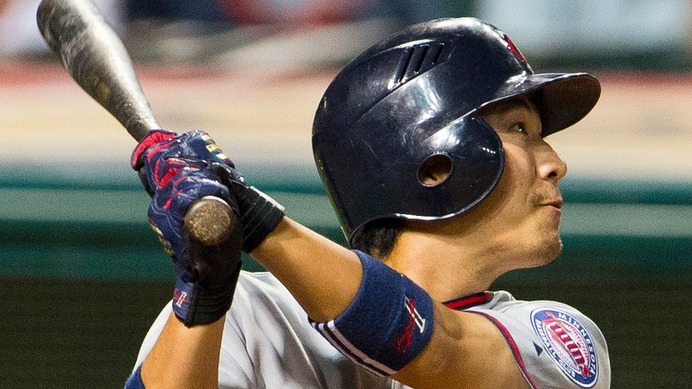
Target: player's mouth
[(557, 203), (555, 206)]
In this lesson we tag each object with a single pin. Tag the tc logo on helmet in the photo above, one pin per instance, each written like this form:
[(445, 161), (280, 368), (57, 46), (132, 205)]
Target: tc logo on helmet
[(513, 49)]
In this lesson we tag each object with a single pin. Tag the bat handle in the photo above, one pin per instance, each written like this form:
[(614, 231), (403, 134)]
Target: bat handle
[(209, 220)]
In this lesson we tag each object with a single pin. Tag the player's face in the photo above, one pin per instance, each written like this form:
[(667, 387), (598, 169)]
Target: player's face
[(524, 210)]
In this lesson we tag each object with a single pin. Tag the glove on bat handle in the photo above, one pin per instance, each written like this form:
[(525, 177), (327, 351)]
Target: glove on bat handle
[(97, 60)]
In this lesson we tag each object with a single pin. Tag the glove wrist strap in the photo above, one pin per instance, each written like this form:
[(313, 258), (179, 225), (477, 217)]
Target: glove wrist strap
[(260, 216), (195, 305)]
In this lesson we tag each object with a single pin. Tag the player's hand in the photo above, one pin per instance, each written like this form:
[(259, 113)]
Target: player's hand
[(259, 213), (175, 177)]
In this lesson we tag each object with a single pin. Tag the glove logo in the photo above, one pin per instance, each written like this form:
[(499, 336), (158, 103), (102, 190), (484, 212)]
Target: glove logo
[(181, 299), (568, 343)]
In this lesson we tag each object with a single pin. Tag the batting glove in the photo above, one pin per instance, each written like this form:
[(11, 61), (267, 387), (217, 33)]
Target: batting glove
[(205, 275), (260, 214)]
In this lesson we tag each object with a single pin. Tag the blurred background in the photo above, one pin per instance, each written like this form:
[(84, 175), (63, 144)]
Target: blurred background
[(82, 277)]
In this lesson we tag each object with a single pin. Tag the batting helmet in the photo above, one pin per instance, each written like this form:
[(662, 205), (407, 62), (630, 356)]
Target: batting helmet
[(415, 96)]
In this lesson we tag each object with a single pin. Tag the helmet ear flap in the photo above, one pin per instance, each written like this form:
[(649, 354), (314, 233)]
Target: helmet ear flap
[(463, 162)]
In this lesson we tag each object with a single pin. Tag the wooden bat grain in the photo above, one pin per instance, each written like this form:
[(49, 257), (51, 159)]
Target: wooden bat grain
[(94, 55), (97, 60)]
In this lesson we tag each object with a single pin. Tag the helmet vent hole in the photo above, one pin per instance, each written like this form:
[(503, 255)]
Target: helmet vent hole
[(420, 59), (435, 170)]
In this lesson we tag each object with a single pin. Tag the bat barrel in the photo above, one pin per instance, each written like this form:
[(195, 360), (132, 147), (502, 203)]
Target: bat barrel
[(94, 55)]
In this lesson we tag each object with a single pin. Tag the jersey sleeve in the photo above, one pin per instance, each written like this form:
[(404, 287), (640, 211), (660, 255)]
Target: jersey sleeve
[(555, 345)]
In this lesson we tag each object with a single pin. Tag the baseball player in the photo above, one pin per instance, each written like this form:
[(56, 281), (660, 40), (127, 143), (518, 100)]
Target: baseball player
[(431, 147)]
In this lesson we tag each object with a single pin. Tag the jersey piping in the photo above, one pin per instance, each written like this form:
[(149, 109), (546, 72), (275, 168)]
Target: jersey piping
[(480, 298)]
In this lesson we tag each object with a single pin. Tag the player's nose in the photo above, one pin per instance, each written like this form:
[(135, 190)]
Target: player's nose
[(549, 164)]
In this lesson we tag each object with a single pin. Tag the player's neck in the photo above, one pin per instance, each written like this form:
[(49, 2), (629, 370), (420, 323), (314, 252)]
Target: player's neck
[(444, 266)]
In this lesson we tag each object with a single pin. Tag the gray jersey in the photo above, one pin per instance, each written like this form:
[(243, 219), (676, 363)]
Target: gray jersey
[(554, 345), (268, 342)]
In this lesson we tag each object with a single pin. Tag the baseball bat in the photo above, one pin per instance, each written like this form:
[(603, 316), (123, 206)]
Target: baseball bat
[(97, 60)]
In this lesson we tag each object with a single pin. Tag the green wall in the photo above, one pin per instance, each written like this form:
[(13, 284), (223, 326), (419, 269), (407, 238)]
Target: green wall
[(82, 277)]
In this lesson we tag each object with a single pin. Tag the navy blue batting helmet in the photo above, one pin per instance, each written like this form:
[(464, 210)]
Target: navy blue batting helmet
[(415, 96)]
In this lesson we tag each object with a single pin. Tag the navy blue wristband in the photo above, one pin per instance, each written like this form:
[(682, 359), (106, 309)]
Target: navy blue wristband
[(388, 323)]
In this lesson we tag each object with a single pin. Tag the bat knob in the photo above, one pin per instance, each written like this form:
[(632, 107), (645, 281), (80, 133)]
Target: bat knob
[(209, 220)]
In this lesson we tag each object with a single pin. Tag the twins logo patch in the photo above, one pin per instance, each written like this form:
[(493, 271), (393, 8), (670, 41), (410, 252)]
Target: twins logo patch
[(568, 343)]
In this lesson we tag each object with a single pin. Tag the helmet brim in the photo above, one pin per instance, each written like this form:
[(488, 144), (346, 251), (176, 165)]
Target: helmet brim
[(563, 99)]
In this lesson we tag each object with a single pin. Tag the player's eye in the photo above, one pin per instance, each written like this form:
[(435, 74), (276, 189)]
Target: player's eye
[(519, 127)]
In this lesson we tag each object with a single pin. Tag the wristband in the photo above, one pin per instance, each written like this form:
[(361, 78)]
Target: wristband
[(388, 323)]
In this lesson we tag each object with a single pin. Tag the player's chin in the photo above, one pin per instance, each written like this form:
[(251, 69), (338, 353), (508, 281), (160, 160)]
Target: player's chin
[(551, 246), (547, 252), (552, 251)]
